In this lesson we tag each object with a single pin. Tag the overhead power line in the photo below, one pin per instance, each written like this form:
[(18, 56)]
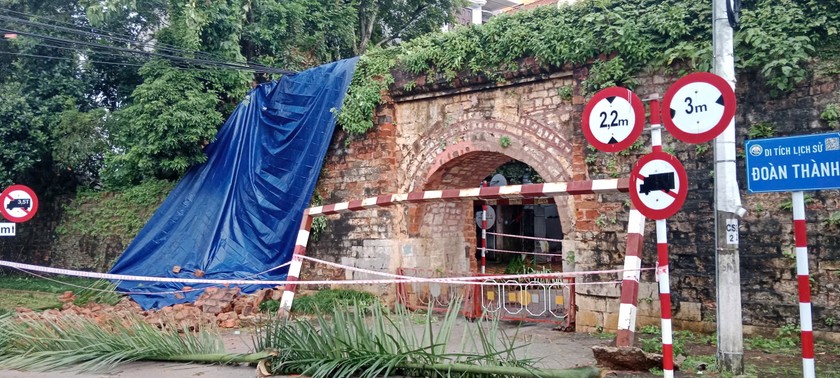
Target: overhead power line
[(72, 59), (105, 34), (92, 61), (247, 66), (195, 61)]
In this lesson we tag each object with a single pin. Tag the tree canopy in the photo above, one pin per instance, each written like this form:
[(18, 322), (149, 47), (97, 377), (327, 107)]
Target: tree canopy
[(116, 92)]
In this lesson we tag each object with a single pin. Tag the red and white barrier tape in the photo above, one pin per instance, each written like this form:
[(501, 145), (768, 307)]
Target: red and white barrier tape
[(469, 278), (525, 253), (524, 237), (404, 279), (172, 292)]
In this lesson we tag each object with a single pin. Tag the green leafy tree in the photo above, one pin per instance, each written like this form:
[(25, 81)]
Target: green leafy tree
[(299, 34), (384, 21), (175, 111), (79, 144), (163, 131), (22, 138), (35, 91)]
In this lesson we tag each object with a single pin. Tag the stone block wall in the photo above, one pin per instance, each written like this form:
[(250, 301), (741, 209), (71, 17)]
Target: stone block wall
[(441, 135)]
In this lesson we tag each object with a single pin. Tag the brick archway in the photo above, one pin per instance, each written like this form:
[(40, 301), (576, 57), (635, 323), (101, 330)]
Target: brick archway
[(461, 154)]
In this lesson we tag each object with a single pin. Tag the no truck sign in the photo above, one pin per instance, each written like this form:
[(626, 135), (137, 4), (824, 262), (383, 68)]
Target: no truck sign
[(19, 203)]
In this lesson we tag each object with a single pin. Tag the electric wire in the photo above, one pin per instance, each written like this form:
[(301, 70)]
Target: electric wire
[(88, 58), (71, 59), (116, 36), (100, 62), (195, 61)]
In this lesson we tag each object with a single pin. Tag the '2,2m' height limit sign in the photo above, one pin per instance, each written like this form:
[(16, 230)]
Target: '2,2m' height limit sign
[(613, 119)]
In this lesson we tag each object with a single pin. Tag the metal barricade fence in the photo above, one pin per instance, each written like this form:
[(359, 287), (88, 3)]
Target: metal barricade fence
[(438, 296), (541, 300)]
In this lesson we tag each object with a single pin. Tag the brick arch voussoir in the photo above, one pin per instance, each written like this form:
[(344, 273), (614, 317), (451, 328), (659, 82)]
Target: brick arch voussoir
[(530, 142)]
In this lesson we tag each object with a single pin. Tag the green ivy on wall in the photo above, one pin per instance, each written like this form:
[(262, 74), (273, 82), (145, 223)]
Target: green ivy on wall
[(777, 39), (104, 214)]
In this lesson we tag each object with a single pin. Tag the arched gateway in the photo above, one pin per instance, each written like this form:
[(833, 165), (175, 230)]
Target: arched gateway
[(454, 138)]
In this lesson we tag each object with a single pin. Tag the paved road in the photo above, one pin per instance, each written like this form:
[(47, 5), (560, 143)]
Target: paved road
[(557, 350)]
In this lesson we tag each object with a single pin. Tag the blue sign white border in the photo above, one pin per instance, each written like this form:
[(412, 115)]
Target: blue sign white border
[(747, 152)]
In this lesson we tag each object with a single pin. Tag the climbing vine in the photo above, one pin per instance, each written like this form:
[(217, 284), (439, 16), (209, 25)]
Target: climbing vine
[(102, 214), (777, 39), (371, 78)]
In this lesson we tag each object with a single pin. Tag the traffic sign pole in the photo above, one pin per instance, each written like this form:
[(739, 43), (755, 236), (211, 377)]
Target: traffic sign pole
[(483, 233), (662, 274), (800, 236)]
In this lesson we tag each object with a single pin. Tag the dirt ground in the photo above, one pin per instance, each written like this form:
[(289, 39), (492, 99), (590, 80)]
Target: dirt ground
[(557, 350)]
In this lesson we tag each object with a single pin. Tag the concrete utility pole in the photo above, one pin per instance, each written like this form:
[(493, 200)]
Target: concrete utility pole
[(730, 352)]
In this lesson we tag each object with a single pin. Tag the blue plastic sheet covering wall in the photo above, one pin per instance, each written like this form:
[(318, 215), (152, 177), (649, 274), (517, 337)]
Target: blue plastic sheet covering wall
[(239, 213)]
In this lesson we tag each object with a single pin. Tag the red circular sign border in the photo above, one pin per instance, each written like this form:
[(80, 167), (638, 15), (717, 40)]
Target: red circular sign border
[(32, 195), (681, 175), (638, 108), (728, 110)]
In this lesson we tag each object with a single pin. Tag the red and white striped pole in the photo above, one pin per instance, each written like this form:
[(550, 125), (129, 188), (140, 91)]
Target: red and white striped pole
[(800, 236), (295, 267), (662, 275), (664, 297), (626, 334), (483, 232)]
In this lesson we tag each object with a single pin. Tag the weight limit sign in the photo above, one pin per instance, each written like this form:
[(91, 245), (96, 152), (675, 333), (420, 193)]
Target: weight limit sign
[(698, 107), (658, 185), (613, 119), (19, 203)]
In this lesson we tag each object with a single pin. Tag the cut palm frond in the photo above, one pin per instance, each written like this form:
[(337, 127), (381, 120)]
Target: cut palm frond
[(82, 343), (100, 291), (351, 344)]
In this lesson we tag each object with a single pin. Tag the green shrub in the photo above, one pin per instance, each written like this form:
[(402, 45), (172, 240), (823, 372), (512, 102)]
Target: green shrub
[(330, 299)]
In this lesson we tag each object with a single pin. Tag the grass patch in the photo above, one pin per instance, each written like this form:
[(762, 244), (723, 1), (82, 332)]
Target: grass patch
[(12, 299), (42, 294), (29, 283), (693, 364), (325, 301), (771, 345)]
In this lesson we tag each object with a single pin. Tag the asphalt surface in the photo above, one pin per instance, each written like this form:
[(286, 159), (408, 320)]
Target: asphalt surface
[(555, 349)]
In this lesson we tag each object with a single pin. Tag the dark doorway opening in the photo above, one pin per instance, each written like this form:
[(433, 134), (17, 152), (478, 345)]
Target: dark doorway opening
[(523, 238)]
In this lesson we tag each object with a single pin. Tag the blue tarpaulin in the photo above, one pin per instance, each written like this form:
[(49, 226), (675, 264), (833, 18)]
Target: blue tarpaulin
[(239, 213)]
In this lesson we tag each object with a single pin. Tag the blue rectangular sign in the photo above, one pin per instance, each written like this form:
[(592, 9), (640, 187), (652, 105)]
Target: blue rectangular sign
[(792, 164)]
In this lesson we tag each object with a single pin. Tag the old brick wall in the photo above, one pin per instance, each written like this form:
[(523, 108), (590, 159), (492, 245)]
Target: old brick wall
[(447, 135), (33, 240)]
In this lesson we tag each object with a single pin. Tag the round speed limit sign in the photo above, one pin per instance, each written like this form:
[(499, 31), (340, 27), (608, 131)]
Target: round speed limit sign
[(613, 119)]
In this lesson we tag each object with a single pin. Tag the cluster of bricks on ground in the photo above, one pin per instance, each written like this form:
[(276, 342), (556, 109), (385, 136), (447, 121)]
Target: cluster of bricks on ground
[(222, 307)]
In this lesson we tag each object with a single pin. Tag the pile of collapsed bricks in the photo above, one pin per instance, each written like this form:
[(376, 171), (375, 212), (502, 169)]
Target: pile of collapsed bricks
[(226, 307)]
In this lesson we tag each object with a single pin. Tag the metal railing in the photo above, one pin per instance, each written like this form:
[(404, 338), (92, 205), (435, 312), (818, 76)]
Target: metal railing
[(544, 301)]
